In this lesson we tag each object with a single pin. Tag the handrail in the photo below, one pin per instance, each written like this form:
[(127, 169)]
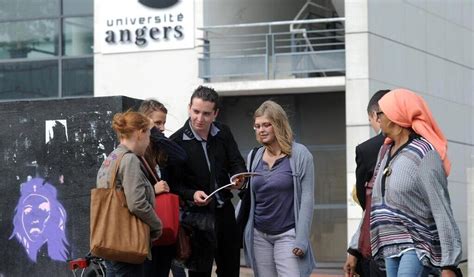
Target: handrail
[(275, 23), (270, 50)]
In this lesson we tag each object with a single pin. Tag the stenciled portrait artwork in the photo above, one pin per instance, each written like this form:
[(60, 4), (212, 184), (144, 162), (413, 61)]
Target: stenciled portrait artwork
[(39, 219)]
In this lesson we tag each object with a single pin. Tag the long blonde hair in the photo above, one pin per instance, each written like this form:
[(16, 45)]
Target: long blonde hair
[(151, 105), (279, 120), (154, 155)]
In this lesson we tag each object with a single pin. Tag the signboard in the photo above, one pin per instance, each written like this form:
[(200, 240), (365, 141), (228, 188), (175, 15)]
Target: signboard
[(144, 25)]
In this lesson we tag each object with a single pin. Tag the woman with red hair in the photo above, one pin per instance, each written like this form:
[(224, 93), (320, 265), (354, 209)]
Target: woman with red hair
[(133, 131)]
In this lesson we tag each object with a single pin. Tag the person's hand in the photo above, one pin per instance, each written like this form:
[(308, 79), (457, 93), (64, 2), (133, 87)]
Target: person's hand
[(161, 186), (350, 266), (298, 252), (238, 182), (448, 273), (199, 198)]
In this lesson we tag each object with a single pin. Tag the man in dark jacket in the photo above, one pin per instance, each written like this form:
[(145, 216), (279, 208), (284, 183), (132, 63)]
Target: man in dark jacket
[(366, 152), (366, 157), (213, 156)]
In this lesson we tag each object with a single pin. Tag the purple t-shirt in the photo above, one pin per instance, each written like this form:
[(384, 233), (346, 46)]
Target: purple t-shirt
[(274, 197)]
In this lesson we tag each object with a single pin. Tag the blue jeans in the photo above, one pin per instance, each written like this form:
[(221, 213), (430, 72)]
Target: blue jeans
[(273, 254), (177, 271), (407, 265), (119, 269)]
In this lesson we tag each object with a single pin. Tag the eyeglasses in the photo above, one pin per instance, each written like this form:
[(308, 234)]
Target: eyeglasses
[(264, 125), (379, 114)]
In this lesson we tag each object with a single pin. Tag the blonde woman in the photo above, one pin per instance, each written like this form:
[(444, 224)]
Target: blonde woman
[(276, 237), (161, 153)]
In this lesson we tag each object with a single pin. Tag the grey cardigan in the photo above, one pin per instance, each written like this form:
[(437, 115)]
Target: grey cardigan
[(139, 193), (301, 162)]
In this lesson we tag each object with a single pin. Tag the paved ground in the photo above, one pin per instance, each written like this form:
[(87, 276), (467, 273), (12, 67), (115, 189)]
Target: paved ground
[(247, 272)]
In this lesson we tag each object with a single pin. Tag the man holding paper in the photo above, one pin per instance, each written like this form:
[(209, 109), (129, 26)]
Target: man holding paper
[(213, 157)]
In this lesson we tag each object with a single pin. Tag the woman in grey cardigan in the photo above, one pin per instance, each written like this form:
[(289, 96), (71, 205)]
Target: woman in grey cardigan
[(133, 130), (276, 237)]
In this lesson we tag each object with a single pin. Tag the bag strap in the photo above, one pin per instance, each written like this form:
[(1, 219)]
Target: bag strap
[(364, 244), (148, 168), (252, 157), (116, 169), (383, 151)]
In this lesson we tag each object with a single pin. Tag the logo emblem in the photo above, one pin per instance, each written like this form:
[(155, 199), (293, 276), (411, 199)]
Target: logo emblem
[(158, 4)]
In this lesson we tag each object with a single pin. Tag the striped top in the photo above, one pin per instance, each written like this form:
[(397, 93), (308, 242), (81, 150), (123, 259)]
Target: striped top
[(414, 211)]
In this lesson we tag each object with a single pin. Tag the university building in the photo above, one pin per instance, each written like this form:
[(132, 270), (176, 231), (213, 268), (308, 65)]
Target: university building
[(321, 60)]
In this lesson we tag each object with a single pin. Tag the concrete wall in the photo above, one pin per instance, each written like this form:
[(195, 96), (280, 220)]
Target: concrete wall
[(425, 46), (357, 97), (52, 220)]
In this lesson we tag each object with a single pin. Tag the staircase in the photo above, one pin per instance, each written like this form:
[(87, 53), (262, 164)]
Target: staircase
[(321, 37)]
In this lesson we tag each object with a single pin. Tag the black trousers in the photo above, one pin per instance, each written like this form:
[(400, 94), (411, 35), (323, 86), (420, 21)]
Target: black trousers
[(368, 268), (227, 254), (160, 265)]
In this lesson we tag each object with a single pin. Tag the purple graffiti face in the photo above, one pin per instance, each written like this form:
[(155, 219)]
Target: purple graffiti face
[(40, 219), (36, 212)]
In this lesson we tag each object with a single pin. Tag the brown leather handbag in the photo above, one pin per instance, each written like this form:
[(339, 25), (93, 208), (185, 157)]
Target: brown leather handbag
[(183, 245), (116, 234)]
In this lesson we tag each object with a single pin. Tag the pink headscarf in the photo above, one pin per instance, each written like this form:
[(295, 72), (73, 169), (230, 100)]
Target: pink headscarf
[(409, 110)]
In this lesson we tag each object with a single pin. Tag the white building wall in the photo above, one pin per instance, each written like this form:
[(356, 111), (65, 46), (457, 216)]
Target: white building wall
[(169, 76), (224, 12), (425, 46), (357, 96)]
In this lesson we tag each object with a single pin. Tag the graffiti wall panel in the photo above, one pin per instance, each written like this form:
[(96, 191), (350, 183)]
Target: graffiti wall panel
[(50, 152)]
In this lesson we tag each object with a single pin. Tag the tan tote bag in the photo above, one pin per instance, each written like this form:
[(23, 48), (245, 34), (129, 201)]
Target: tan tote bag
[(116, 234)]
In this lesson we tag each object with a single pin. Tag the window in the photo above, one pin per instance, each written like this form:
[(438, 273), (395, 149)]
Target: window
[(46, 49), (29, 39), (77, 76), (24, 80), (78, 37)]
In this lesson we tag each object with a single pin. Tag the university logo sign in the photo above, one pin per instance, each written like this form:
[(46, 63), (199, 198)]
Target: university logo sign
[(144, 25), (158, 4)]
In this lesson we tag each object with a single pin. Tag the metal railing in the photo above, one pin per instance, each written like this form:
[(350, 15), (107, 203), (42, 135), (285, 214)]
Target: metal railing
[(273, 50)]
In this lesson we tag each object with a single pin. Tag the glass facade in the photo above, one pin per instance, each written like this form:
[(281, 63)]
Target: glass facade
[(46, 49)]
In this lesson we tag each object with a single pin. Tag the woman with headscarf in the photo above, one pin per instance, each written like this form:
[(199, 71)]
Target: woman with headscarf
[(412, 226)]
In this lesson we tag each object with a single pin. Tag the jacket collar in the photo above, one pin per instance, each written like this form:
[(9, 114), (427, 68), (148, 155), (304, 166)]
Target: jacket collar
[(190, 134)]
